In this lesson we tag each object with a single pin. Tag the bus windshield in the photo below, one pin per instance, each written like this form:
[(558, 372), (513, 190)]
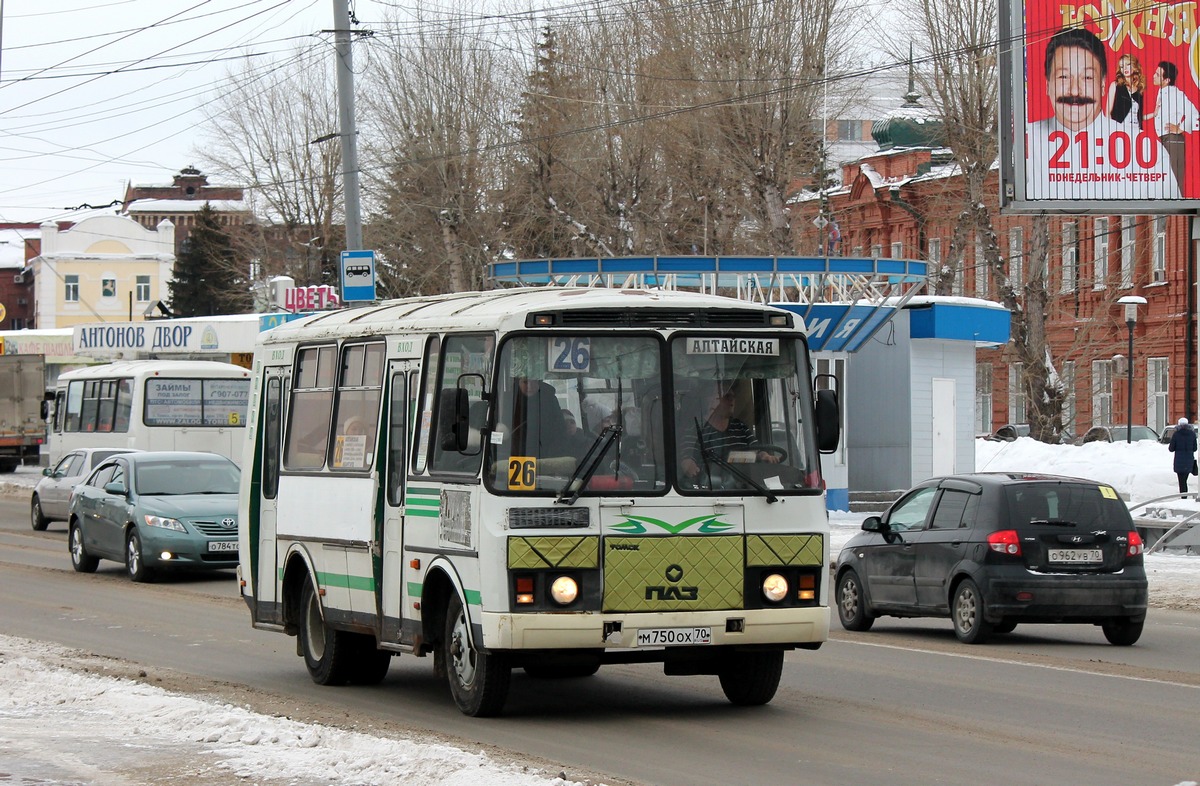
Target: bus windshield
[(740, 424), (722, 415)]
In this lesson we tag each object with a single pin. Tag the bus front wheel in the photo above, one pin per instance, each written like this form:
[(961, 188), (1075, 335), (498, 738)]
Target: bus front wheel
[(478, 680), (328, 653), (750, 679)]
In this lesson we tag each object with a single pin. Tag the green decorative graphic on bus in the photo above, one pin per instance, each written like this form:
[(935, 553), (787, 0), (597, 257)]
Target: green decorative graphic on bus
[(553, 552), (640, 525), (673, 573), (784, 549)]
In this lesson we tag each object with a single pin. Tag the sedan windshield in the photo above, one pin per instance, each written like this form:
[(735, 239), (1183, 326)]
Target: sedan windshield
[(186, 477)]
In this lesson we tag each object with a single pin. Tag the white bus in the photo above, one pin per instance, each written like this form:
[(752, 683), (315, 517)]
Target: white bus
[(546, 479), (152, 405)]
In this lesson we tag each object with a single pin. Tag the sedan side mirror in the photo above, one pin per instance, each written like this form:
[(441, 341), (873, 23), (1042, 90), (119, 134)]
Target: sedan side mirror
[(873, 524), (116, 488)]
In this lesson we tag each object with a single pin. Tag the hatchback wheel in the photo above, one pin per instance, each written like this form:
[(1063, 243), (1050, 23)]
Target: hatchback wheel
[(967, 611), (80, 559), (36, 518), (135, 566), (851, 605), (1122, 632)]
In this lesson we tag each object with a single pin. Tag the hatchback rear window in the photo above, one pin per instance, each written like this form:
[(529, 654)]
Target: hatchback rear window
[(1084, 505)]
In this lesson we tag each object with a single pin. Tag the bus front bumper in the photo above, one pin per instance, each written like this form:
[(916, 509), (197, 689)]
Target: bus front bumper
[(589, 630)]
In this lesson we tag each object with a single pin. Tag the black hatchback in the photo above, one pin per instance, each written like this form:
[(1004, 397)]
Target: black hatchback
[(991, 550)]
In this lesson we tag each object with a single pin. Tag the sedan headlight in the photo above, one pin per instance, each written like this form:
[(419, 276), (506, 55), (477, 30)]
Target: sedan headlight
[(165, 523)]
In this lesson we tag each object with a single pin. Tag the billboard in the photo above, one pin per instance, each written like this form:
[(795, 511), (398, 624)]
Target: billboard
[(1099, 106)]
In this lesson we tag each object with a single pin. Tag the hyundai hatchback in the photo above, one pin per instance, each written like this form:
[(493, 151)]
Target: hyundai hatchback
[(156, 511), (992, 550)]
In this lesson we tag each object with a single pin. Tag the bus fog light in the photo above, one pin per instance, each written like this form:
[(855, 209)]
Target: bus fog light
[(775, 588), (564, 590)]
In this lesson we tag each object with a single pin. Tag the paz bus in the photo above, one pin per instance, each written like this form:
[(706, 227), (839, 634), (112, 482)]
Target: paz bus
[(545, 479), (152, 405)]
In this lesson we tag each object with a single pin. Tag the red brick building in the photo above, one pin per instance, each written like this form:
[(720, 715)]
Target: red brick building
[(181, 201), (904, 201)]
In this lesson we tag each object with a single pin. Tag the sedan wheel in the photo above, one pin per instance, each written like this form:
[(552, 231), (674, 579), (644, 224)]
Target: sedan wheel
[(851, 605), (967, 611), (135, 566), (36, 518), (80, 559), (1121, 632)]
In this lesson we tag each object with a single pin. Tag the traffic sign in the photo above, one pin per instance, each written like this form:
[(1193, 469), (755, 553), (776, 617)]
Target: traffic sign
[(358, 276)]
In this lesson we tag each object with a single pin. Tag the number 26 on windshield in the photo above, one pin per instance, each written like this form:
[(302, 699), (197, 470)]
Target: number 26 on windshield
[(569, 354)]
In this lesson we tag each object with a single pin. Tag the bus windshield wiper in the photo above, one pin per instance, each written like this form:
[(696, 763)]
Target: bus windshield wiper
[(708, 453), (587, 466)]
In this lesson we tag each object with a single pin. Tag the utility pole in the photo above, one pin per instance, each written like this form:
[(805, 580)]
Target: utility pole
[(349, 134)]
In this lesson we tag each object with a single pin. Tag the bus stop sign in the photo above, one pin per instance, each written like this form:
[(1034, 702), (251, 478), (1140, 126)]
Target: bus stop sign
[(358, 276)]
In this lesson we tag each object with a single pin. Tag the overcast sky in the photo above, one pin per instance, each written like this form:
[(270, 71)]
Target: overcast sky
[(95, 94)]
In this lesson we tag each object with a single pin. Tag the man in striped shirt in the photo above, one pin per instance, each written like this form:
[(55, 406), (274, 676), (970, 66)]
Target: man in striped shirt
[(719, 433)]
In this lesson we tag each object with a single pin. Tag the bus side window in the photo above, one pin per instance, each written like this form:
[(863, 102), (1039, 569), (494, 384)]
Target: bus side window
[(398, 418), (124, 405), (272, 423), (74, 406), (312, 405), (463, 362), (424, 425)]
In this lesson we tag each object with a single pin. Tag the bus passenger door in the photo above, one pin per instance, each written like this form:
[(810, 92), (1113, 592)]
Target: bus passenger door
[(264, 504), (390, 585)]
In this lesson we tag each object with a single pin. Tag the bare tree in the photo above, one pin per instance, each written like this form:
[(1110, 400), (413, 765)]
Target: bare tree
[(435, 116), (274, 128)]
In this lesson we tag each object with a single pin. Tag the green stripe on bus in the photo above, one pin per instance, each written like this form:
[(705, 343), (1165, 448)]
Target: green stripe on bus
[(349, 582), (426, 502), (418, 490), (474, 597), (423, 512)]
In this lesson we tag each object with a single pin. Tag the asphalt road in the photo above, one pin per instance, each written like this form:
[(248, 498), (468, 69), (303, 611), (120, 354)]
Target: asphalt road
[(902, 704)]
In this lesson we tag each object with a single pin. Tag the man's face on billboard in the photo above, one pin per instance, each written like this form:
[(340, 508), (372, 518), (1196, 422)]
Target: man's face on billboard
[(1075, 86)]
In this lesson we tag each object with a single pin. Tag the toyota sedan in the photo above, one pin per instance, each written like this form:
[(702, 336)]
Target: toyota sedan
[(994, 550), (154, 512)]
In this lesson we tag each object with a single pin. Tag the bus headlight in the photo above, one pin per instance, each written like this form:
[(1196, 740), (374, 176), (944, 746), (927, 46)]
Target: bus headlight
[(564, 590), (775, 588)]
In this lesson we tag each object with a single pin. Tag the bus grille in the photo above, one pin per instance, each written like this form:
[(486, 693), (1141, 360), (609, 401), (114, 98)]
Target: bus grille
[(684, 573)]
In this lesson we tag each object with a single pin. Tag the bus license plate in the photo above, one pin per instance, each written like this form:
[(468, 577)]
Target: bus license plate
[(1076, 556), (673, 637), (223, 545)]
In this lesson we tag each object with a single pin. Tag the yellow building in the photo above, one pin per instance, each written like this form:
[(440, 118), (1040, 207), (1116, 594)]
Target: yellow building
[(103, 269)]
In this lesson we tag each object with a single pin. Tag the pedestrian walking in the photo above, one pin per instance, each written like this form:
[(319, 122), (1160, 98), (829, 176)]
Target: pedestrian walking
[(1183, 445)]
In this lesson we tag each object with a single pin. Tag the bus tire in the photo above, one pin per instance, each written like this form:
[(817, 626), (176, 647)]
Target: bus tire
[(478, 680), (370, 663), (80, 559), (750, 679), (329, 654), (135, 564)]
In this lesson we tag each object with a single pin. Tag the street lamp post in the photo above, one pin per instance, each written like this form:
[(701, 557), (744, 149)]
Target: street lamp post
[(1131, 303)]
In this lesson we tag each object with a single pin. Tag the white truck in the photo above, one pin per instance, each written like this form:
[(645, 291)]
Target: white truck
[(22, 410)]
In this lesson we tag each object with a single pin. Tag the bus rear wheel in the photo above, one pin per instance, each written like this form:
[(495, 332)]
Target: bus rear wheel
[(478, 680), (750, 679), (328, 653)]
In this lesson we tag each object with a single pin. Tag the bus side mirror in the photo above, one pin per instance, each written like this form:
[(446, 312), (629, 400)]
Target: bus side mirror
[(453, 413), (45, 410), (828, 421)]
